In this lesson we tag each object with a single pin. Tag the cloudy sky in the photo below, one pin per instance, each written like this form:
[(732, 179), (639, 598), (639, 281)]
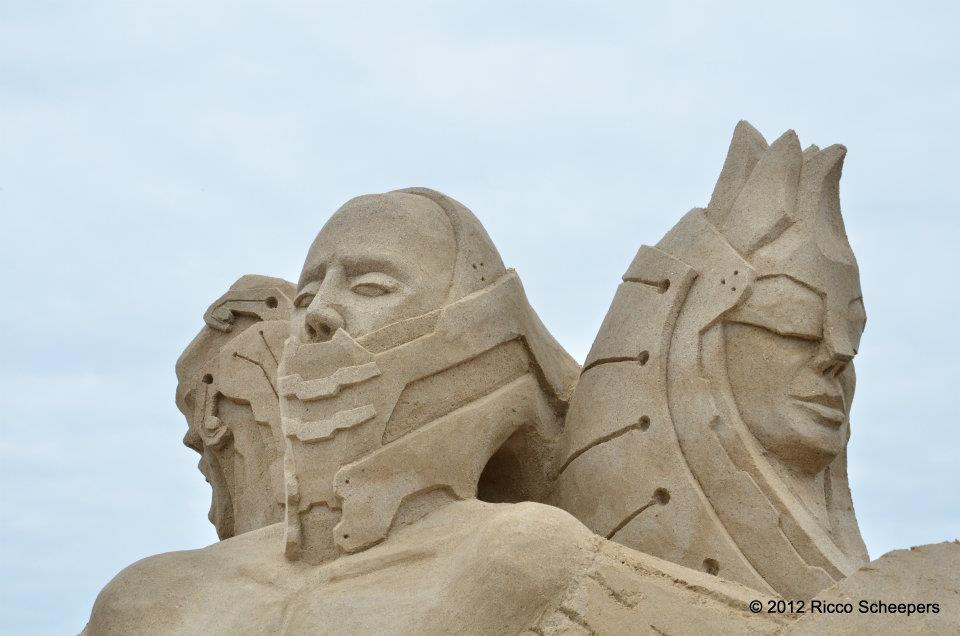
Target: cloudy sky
[(150, 153)]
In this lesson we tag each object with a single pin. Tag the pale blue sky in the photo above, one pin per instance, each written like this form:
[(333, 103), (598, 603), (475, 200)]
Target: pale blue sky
[(152, 153)]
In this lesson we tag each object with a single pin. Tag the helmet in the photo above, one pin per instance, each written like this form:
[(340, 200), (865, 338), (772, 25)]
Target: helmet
[(710, 423), (383, 426)]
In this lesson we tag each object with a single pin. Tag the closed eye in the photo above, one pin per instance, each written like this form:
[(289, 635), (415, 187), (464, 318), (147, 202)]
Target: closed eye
[(374, 284), (303, 300), (306, 295)]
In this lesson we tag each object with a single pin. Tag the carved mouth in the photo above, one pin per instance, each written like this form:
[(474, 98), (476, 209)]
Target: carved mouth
[(823, 413)]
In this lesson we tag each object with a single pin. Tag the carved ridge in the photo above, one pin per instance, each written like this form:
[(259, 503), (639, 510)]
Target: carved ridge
[(322, 388), (309, 432)]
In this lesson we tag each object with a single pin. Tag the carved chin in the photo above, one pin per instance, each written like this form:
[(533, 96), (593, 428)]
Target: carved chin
[(807, 442)]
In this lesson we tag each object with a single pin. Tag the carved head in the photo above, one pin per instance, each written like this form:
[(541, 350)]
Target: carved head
[(719, 385), (379, 259), (382, 258), (790, 342), (226, 390), (409, 341)]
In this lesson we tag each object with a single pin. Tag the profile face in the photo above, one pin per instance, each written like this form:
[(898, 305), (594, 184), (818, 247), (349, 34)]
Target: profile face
[(789, 355), (378, 260)]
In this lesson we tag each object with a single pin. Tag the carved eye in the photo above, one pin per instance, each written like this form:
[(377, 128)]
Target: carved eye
[(857, 314), (304, 299), (783, 306), (856, 321), (369, 290), (373, 284)]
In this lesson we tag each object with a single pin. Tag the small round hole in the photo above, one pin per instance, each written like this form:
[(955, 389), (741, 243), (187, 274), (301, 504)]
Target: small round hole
[(711, 566), (733, 289), (271, 302), (346, 536), (735, 272), (643, 357), (661, 496), (207, 378), (644, 423), (723, 281)]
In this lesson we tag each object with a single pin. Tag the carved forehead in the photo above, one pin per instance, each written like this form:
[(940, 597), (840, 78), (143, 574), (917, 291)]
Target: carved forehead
[(409, 231), (838, 282), (392, 218)]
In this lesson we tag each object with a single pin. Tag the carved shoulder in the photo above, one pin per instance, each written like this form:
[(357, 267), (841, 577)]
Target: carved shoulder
[(228, 587), (146, 597)]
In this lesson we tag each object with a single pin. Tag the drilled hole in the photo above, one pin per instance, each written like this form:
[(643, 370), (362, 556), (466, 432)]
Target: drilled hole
[(661, 496), (271, 302), (711, 566), (733, 289), (643, 357), (735, 272), (207, 378), (644, 424), (723, 281)]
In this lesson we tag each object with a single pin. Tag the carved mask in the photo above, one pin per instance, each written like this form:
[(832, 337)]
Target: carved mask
[(413, 358), (730, 348)]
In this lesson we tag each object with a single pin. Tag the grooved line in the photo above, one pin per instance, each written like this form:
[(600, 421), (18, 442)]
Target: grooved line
[(267, 345), (262, 370), (630, 518), (661, 285), (610, 360), (602, 440)]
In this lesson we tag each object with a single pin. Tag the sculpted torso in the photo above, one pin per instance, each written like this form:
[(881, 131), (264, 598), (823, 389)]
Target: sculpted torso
[(396, 444)]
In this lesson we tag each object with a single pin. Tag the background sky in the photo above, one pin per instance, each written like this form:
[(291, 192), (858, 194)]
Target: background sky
[(151, 153)]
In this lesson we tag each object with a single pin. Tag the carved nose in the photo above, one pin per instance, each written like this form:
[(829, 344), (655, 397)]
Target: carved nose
[(832, 363), (320, 324)]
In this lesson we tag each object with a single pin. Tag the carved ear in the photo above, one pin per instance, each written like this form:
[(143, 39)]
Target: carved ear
[(765, 206), (818, 201), (746, 148)]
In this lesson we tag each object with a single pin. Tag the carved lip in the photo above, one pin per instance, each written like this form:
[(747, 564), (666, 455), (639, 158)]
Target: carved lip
[(824, 413)]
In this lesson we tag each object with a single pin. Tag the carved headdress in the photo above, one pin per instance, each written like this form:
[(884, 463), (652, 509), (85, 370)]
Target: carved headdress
[(709, 426), (226, 389)]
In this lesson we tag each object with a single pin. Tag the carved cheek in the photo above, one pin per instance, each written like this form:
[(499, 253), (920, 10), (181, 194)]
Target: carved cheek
[(765, 359)]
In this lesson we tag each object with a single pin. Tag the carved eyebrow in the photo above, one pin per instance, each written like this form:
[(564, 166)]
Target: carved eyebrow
[(363, 264), (355, 265), (310, 275)]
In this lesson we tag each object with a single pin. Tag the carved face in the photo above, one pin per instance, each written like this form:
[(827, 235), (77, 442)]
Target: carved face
[(379, 259), (789, 357)]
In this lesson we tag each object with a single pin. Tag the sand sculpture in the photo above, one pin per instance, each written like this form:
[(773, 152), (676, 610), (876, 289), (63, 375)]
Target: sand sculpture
[(717, 393), (226, 391), (396, 444)]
